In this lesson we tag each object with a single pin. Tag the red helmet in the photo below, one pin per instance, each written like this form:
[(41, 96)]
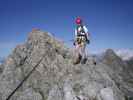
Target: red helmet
[(78, 20)]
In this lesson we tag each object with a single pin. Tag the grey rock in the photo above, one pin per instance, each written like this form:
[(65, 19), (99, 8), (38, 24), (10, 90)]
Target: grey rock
[(56, 78), (107, 94)]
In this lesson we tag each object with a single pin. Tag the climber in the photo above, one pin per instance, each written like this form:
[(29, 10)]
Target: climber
[(80, 41)]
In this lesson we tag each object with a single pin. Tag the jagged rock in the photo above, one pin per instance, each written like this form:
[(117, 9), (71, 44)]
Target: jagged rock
[(55, 77), (119, 71), (130, 63)]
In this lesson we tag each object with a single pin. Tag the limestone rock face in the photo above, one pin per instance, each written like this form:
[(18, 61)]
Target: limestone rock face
[(56, 78)]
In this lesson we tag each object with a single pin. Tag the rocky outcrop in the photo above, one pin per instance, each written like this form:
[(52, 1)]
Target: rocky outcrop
[(130, 63), (55, 77), (120, 71)]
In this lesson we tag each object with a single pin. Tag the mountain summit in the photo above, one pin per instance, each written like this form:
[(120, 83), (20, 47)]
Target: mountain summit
[(42, 69)]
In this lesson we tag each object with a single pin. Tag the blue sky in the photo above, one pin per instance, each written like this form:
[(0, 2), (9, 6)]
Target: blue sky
[(110, 22)]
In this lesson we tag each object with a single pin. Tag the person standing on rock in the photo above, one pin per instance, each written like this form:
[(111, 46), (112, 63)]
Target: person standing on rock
[(80, 41)]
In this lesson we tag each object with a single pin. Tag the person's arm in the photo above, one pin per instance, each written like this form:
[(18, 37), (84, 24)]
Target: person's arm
[(86, 32), (87, 35)]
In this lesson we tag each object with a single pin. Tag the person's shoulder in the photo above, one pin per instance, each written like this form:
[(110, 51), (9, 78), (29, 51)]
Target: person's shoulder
[(85, 27)]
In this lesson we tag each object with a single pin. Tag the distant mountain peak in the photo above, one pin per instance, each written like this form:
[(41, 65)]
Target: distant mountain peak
[(125, 54)]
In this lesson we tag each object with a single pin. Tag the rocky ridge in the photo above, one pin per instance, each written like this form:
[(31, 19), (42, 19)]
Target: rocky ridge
[(56, 78)]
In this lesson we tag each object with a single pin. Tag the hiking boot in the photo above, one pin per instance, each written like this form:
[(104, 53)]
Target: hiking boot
[(83, 61)]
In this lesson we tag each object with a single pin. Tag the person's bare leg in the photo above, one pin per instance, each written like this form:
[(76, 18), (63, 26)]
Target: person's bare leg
[(83, 53)]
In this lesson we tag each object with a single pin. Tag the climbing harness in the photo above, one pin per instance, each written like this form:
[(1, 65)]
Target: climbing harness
[(80, 39)]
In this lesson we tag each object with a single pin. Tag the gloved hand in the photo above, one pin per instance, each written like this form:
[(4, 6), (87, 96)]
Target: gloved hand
[(88, 41)]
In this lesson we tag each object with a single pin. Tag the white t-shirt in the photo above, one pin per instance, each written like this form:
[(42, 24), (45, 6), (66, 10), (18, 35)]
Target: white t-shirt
[(79, 29)]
